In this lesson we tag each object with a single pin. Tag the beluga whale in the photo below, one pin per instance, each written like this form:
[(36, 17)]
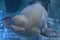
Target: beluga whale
[(31, 21)]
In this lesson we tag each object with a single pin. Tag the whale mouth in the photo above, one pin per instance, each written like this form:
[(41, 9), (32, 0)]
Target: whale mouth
[(16, 28), (24, 32)]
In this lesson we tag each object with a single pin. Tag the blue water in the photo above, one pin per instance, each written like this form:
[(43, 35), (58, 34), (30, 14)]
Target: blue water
[(8, 34)]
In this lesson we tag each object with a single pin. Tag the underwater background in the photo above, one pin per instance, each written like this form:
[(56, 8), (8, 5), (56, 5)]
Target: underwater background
[(13, 7)]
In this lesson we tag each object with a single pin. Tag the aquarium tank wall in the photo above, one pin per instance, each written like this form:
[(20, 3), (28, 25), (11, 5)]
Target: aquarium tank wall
[(11, 8)]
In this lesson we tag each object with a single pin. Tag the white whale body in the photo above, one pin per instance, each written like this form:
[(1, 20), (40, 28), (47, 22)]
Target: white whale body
[(32, 21)]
